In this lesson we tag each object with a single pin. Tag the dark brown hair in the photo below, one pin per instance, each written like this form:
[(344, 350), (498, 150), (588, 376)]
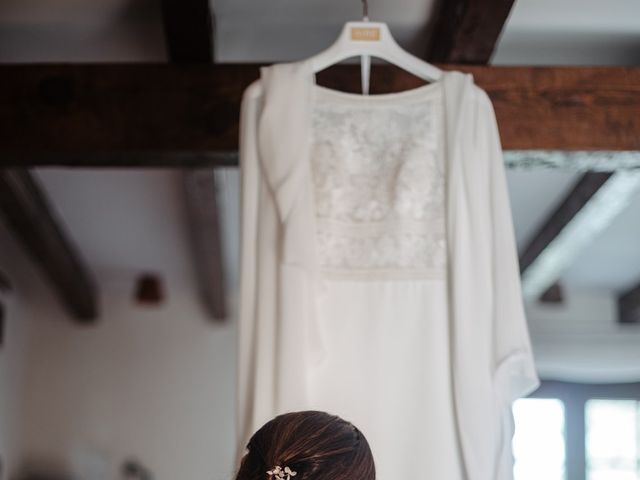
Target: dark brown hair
[(316, 445)]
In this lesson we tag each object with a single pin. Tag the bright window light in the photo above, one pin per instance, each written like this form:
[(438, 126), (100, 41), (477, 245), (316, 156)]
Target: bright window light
[(539, 440), (612, 443)]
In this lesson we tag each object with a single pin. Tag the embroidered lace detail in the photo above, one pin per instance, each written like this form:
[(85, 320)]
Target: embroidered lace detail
[(378, 186)]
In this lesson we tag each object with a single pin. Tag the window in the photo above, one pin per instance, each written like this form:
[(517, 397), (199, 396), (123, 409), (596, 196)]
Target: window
[(538, 443), (571, 431), (612, 446)]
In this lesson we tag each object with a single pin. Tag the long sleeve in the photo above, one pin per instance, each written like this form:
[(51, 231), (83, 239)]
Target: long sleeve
[(276, 334), (514, 373), (492, 359), (248, 156), (514, 370), (256, 322)]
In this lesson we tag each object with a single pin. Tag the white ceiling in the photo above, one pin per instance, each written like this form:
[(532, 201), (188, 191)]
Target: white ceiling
[(123, 221), (533, 195), (80, 31), (290, 29), (571, 32), (537, 31)]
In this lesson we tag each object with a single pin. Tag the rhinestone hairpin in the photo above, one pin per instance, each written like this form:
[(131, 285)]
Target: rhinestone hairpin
[(278, 473)]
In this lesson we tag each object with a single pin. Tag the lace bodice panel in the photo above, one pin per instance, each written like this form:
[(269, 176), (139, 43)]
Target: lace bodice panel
[(378, 183)]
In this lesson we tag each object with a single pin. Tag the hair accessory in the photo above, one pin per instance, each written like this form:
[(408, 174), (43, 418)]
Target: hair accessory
[(282, 474)]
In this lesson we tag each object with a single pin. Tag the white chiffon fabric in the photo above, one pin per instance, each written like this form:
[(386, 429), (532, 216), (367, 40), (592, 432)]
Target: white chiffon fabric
[(378, 178), (387, 370), (379, 276)]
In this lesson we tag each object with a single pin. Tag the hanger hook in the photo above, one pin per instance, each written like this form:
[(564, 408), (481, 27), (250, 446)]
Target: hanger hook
[(365, 9)]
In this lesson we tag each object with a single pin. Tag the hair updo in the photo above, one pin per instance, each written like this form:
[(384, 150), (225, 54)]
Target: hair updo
[(316, 445)]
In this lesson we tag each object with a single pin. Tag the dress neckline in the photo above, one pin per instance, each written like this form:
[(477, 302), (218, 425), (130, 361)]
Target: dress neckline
[(421, 92)]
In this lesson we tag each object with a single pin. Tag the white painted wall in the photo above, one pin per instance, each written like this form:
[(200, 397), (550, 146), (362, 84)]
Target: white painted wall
[(153, 383), (582, 341)]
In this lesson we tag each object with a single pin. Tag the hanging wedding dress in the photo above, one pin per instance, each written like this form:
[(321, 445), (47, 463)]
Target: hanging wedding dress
[(379, 276)]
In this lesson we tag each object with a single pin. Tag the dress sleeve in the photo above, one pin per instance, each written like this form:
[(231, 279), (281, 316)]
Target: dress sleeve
[(249, 193), (514, 370)]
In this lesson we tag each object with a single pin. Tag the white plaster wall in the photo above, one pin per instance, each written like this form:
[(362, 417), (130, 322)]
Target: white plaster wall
[(581, 340), (153, 383)]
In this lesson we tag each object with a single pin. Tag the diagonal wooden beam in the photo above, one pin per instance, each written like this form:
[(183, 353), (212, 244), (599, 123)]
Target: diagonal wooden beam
[(206, 234), (83, 111), (467, 31), (553, 295), (28, 214), (188, 28), (587, 210), (566, 211), (629, 306), (5, 284)]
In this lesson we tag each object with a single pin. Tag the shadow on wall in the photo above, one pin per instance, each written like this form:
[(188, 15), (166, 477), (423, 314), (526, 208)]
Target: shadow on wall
[(41, 471), (131, 469)]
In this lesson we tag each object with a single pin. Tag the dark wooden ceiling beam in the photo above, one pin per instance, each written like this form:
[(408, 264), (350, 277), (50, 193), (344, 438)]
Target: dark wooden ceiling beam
[(189, 30), (573, 202), (28, 214), (5, 283), (117, 110), (467, 31), (629, 306), (206, 238), (553, 295)]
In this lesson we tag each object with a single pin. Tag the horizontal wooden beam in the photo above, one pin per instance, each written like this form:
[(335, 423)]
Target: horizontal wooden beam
[(577, 161), (26, 210), (50, 111)]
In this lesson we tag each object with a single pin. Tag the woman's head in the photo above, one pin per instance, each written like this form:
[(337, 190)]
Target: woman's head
[(315, 445)]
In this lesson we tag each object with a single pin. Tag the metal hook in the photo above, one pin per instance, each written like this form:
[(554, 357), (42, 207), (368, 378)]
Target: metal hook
[(365, 9)]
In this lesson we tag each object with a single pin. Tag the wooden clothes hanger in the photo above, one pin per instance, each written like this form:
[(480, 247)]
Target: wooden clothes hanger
[(368, 39)]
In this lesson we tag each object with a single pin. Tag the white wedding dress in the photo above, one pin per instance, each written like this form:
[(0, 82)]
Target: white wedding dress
[(378, 177), (379, 274)]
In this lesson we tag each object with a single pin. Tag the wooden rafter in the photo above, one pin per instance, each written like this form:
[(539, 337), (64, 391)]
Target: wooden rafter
[(467, 31), (79, 112), (204, 226), (587, 210), (566, 211), (26, 210), (629, 306), (5, 283), (554, 294), (188, 28)]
